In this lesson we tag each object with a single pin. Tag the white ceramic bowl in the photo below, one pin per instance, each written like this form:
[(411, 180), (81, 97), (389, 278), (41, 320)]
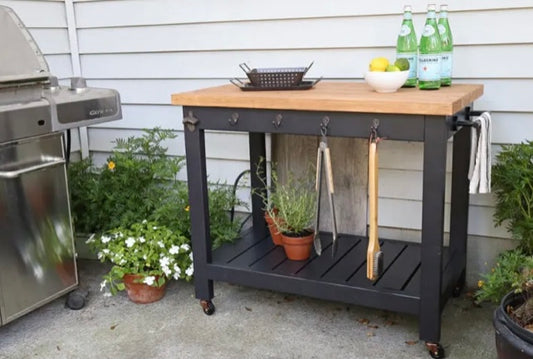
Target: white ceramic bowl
[(386, 82)]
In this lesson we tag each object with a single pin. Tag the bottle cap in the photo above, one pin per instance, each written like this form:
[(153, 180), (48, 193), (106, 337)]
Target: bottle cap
[(432, 7), (407, 8), (444, 7)]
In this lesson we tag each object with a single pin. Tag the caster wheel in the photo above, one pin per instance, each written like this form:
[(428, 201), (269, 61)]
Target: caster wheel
[(208, 307), (436, 350), (457, 291), (76, 300)]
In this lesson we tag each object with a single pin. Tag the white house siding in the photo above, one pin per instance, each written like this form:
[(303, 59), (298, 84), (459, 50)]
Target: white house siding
[(47, 23), (148, 49)]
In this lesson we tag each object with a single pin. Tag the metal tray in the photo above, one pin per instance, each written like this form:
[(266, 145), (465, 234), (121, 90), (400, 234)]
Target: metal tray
[(247, 86)]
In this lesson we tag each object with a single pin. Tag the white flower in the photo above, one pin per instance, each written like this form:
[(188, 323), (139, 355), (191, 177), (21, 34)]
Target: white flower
[(177, 269), (144, 257), (141, 239), (176, 276), (161, 244), (105, 250), (165, 261), (155, 228), (120, 234), (144, 221), (122, 262), (189, 272), (100, 255), (174, 249), (130, 242), (185, 247), (190, 256), (102, 285), (150, 280), (166, 270), (105, 239)]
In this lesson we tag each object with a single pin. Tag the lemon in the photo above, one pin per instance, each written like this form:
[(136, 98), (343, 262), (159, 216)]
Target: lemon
[(392, 68), (378, 64), (402, 64)]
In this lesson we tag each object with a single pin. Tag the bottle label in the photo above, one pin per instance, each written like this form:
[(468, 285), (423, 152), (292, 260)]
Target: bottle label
[(442, 29), (405, 30), (412, 58), (429, 67), (428, 30), (446, 65)]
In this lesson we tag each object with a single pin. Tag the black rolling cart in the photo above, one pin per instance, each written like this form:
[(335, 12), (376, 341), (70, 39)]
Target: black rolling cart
[(418, 278)]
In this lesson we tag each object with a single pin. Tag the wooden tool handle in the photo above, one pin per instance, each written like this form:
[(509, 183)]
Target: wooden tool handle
[(329, 175), (373, 243)]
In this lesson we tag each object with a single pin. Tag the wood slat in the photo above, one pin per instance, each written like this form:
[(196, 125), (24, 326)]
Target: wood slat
[(401, 270), (391, 251), (335, 96)]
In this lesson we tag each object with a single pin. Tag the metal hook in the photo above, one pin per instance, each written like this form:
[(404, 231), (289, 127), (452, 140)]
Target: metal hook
[(374, 130), (233, 119), (277, 120), (324, 126)]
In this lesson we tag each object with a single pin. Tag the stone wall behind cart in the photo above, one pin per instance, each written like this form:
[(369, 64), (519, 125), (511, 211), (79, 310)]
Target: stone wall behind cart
[(150, 49)]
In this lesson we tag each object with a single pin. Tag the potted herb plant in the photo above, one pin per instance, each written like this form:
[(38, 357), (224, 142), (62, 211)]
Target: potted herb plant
[(511, 280), (144, 257), (295, 204)]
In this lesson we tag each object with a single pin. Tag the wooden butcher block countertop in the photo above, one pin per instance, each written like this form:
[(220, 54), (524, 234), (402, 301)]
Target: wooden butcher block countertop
[(338, 96)]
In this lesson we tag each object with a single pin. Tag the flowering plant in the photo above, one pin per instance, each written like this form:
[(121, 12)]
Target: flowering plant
[(152, 251)]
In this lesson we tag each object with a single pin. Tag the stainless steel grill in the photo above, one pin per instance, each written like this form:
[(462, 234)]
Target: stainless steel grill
[(37, 256)]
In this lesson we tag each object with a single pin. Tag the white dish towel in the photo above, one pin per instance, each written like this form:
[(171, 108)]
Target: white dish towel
[(480, 155)]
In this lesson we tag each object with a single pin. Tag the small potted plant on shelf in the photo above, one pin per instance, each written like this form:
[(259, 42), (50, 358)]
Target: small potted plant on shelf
[(293, 214), (510, 282), (144, 257)]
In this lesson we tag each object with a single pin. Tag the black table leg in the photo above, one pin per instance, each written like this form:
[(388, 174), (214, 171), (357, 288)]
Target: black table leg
[(258, 180), (459, 206), (199, 211), (434, 180)]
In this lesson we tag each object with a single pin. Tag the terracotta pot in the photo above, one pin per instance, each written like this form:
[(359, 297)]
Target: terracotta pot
[(275, 234), (297, 248), (142, 293)]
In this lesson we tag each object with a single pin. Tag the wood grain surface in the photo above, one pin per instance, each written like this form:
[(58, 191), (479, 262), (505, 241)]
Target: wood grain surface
[(338, 96)]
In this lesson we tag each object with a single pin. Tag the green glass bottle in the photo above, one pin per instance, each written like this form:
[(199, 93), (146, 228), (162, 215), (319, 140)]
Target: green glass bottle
[(429, 55), (447, 47), (406, 45)]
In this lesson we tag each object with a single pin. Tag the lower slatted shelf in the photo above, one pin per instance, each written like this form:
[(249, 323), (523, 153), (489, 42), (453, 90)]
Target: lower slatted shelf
[(258, 262)]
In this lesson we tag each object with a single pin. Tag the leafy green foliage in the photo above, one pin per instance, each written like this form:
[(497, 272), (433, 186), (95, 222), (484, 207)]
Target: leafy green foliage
[(146, 248), (512, 182), (513, 269), (138, 182)]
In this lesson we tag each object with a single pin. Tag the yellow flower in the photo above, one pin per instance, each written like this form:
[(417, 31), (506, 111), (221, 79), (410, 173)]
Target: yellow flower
[(187, 208), (111, 165), (480, 283)]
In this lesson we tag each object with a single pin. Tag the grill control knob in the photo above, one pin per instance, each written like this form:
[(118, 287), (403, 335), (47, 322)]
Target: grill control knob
[(77, 83)]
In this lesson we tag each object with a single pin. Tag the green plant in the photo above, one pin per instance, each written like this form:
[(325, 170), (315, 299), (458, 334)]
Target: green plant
[(512, 182), (221, 199), (293, 203), (146, 248), (83, 185), (513, 268), (137, 182)]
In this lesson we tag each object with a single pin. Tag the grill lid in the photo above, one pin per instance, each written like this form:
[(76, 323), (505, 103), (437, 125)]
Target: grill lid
[(21, 60)]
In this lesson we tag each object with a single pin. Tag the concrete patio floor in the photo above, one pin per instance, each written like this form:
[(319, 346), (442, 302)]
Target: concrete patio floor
[(248, 323)]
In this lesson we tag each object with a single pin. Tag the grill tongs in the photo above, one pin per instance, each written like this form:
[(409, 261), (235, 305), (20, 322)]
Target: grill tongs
[(324, 156)]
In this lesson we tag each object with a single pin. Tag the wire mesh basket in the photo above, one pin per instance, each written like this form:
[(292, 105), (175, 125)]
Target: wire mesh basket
[(278, 77)]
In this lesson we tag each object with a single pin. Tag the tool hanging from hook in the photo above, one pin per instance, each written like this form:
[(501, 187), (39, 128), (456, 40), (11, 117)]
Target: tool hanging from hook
[(374, 255), (324, 159)]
